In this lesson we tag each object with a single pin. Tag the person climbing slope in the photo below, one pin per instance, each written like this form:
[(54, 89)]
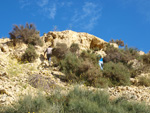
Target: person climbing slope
[(49, 54), (101, 63)]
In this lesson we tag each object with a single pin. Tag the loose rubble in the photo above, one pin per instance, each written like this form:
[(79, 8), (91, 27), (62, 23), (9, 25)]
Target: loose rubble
[(140, 93)]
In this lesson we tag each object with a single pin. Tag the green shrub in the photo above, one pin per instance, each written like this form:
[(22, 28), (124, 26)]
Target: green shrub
[(83, 101), (31, 104), (30, 54), (144, 81), (90, 74), (69, 65), (27, 34), (76, 101), (81, 70), (74, 47), (60, 51), (118, 74), (89, 55), (55, 61)]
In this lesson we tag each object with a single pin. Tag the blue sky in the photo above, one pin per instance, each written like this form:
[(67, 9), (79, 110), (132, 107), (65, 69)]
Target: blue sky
[(128, 20)]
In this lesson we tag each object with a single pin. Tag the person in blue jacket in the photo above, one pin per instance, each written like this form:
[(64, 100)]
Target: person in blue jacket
[(101, 63)]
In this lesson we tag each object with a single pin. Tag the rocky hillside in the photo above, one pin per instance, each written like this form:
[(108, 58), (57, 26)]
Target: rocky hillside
[(17, 79), (14, 75)]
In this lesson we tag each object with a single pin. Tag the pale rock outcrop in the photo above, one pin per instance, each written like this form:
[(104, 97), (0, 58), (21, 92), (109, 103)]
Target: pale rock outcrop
[(101, 53), (85, 40), (5, 40), (114, 44), (141, 53), (4, 45)]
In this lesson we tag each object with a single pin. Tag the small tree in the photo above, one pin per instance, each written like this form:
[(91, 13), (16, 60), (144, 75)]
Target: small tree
[(27, 34)]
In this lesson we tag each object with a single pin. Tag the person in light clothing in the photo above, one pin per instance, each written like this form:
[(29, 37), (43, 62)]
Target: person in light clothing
[(101, 63), (49, 54)]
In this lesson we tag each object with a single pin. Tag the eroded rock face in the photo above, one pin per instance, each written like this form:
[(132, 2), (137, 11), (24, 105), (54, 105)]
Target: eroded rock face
[(85, 40)]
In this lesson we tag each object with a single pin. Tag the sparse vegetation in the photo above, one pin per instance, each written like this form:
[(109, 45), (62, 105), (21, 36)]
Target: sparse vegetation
[(15, 69), (77, 101), (79, 67)]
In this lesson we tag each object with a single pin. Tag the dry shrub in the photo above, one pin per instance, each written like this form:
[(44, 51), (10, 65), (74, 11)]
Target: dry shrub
[(74, 47), (114, 55), (42, 82), (27, 34), (60, 51), (118, 42), (146, 59), (120, 55)]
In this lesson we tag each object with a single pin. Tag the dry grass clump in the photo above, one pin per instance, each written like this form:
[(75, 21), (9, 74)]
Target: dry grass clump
[(42, 82)]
